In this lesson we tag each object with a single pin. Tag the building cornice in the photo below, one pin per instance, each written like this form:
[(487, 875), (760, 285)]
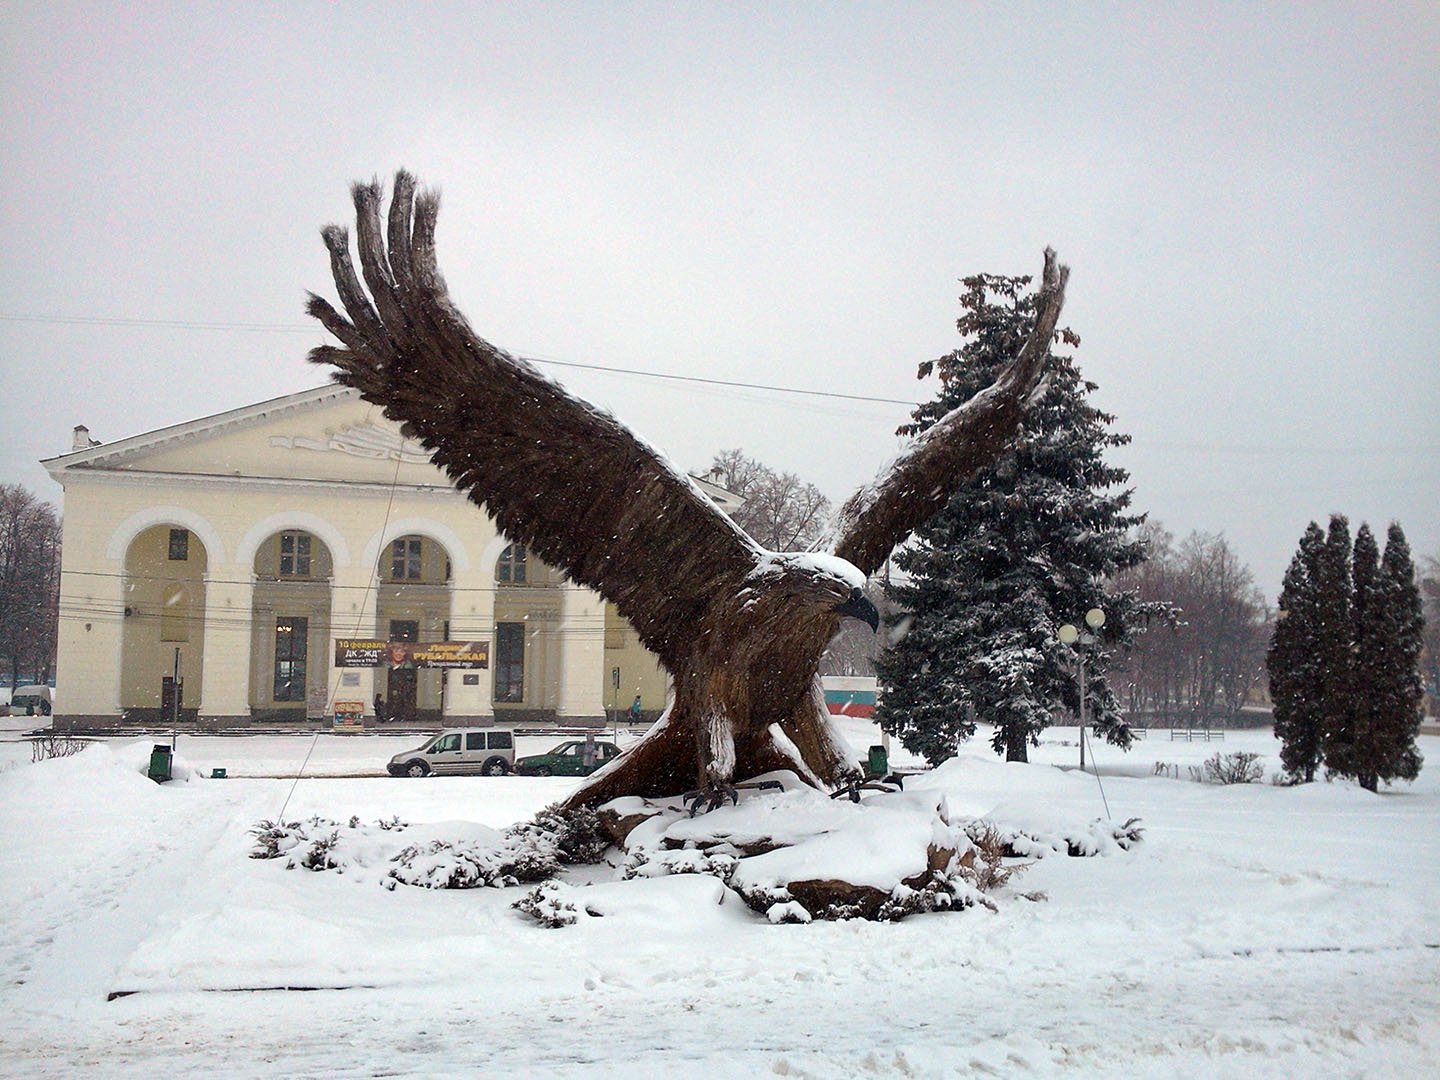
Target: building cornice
[(137, 478)]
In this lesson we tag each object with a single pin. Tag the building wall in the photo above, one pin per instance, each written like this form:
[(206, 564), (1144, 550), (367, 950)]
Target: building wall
[(235, 490)]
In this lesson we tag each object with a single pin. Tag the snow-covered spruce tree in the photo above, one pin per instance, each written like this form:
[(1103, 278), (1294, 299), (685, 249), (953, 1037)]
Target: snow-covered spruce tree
[(1293, 663), (1022, 549)]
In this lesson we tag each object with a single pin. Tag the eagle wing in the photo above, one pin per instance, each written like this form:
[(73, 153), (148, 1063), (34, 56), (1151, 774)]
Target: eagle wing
[(917, 484), (558, 475)]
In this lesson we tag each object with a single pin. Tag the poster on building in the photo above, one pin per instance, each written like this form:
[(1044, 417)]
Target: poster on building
[(401, 655), (349, 716), (315, 701)]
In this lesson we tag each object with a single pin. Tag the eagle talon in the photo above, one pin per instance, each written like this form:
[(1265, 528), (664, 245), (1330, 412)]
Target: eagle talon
[(717, 794)]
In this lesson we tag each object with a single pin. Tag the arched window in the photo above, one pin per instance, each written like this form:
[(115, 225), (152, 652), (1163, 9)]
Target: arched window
[(405, 559), (294, 555), (510, 567)]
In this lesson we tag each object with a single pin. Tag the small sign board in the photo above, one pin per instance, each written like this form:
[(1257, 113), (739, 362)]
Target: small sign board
[(349, 716), (367, 652)]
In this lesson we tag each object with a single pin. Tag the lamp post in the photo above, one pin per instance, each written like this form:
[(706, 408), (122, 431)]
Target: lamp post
[(1073, 636)]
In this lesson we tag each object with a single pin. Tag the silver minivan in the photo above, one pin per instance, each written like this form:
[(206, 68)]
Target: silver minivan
[(467, 751)]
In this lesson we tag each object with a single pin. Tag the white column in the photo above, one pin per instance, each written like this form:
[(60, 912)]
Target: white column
[(352, 615), (225, 674), (472, 618), (88, 649), (583, 678)]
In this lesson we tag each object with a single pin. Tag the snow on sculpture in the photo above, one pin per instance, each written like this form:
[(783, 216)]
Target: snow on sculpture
[(740, 629)]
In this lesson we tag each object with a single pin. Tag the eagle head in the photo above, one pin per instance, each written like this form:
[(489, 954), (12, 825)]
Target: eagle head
[(825, 584)]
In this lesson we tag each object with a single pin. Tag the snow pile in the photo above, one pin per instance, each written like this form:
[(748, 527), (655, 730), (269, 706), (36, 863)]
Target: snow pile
[(797, 854)]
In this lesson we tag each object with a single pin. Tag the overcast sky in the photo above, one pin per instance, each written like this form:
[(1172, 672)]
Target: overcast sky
[(1248, 197)]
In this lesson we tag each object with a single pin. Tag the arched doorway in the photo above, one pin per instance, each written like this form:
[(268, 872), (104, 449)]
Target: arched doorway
[(162, 648), (290, 626), (412, 605)]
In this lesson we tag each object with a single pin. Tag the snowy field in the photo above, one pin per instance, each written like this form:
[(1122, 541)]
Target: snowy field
[(1256, 932)]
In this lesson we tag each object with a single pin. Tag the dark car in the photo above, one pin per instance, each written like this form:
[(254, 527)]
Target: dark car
[(575, 758)]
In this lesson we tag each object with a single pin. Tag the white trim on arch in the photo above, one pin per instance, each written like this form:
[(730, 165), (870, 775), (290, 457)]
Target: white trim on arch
[(126, 532), (441, 533), (285, 521)]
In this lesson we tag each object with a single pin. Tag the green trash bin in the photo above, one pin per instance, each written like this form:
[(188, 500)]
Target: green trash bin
[(160, 763), (878, 763)]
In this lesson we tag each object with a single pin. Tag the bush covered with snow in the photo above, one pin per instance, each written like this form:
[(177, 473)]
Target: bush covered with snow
[(573, 836), (548, 904), (478, 858), (1029, 841)]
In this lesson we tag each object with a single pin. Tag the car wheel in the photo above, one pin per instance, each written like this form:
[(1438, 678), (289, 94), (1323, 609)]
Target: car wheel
[(417, 768), (542, 770), (495, 767)]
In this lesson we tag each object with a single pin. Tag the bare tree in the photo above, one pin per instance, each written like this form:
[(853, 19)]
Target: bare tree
[(29, 584), (781, 511), (1430, 659), (1203, 666)]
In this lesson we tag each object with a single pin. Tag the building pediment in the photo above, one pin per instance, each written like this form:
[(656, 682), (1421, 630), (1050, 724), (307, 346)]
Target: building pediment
[(327, 435)]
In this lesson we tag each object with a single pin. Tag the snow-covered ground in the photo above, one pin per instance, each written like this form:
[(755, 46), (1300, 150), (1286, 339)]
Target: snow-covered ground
[(1256, 932)]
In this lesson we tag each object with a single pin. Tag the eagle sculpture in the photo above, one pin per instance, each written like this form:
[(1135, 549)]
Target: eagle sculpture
[(740, 629)]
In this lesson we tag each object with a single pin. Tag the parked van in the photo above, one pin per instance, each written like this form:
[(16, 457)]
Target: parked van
[(459, 751), (31, 701)]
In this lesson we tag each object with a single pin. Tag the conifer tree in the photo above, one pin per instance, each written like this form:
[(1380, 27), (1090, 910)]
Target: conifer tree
[(1352, 712), (1334, 628), (1344, 661), (1293, 664), (1020, 550), (1393, 663)]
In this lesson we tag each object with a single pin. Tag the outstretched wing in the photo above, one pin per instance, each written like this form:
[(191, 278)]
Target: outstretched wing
[(558, 475), (878, 517)]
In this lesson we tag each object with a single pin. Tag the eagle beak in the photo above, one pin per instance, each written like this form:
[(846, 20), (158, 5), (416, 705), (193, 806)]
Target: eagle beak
[(860, 607)]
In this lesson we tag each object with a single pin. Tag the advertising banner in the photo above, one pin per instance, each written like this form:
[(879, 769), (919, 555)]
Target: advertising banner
[(365, 652)]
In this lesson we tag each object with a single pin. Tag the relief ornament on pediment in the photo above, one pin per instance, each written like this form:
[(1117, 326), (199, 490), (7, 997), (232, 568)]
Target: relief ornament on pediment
[(368, 440)]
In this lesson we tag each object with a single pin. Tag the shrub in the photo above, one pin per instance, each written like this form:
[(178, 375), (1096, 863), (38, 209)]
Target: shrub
[(1241, 767), (55, 746), (575, 836), (546, 906)]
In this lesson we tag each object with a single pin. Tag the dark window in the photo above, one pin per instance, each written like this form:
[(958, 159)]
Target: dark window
[(501, 740), (474, 740), (295, 554), (510, 567), (405, 558), (290, 634), (509, 662), (445, 744), (179, 545)]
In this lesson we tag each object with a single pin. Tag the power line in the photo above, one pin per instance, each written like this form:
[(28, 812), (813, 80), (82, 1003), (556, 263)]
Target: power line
[(171, 324), (189, 324)]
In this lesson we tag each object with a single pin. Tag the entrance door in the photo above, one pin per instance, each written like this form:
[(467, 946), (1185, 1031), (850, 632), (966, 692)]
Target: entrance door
[(400, 679)]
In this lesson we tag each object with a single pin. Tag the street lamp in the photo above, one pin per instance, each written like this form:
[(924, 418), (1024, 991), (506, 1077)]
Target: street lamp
[(1072, 635)]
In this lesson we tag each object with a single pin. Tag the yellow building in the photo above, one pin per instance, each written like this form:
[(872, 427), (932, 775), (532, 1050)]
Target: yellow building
[(219, 562)]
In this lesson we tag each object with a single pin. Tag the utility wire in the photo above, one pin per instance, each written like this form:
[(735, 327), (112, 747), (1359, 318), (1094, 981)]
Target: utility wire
[(185, 324)]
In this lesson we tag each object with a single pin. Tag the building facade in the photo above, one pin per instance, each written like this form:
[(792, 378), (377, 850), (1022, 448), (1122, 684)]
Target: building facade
[(210, 568)]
